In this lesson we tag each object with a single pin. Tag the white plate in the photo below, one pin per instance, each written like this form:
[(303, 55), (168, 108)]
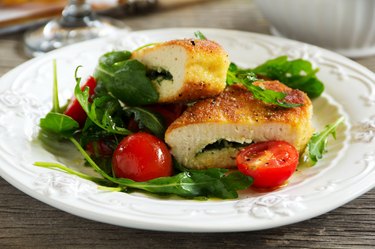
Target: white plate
[(347, 170)]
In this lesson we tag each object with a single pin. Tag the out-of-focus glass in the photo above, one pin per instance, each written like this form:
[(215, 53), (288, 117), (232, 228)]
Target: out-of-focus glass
[(77, 23)]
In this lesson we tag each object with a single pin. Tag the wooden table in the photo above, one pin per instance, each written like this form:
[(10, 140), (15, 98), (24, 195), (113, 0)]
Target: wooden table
[(29, 223)]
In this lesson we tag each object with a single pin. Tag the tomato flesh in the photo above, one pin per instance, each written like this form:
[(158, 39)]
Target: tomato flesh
[(269, 163), (142, 157), (74, 108)]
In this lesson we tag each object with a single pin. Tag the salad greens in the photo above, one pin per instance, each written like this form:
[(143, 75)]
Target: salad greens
[(55, 122), (189, 184), (104, 113), (297, 74)]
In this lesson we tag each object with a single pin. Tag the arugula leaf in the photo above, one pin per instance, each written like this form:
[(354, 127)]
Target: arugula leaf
[(199, 35), (316, 147), (147, 119), (270, 96), (297, 74), (213, 182), (125, 78), (237, 75), (246, 77), (65, 169), (56, 127), (200, 183)]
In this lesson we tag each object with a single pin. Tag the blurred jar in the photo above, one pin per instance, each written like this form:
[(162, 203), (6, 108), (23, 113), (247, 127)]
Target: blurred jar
[(345, 26), (119, 7)]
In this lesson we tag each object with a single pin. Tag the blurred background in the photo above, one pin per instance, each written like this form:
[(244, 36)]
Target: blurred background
[(344, 26), (20, 16)]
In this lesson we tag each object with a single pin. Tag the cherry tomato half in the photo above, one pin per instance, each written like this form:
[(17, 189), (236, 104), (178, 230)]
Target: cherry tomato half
[(270, 163), (74, 109), (141, 157)]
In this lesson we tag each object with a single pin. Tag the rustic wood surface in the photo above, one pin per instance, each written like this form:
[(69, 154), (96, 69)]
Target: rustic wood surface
[(29, 223)]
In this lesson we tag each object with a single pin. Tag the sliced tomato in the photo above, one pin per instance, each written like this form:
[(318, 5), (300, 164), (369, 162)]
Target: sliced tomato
[(74, 108), (269, 163), (141, 157)]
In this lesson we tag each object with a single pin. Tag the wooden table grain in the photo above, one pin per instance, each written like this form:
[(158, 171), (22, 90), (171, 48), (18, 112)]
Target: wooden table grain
[(29, 223)]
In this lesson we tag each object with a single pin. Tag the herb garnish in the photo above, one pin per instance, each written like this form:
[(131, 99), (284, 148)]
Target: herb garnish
[(247, 77), (199, 35), (316, 147)]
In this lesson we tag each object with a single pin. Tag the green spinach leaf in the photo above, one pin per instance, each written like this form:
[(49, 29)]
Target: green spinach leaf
[(59, 124), (198, 183), (297, 74), (125, 78), (147, 119)]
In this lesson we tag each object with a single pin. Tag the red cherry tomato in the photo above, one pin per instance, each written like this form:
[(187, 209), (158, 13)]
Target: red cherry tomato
[(141, 157), (269, 163), (74, 109)]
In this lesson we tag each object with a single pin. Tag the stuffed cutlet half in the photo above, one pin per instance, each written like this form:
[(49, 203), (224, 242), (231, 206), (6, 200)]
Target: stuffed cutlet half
[(186, 70), (210, 133)]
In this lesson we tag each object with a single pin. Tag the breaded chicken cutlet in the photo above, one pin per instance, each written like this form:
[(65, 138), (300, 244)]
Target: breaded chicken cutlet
[(210, 133), (186, 70)]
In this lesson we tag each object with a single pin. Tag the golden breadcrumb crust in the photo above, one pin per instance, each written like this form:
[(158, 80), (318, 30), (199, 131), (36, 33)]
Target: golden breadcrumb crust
[(237, 105)]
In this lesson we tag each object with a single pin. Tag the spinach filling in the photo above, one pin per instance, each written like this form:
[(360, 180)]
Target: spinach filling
[(222, 144), (158, 75)]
